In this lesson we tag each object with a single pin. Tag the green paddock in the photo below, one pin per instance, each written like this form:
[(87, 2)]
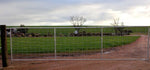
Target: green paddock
[(66, 44)]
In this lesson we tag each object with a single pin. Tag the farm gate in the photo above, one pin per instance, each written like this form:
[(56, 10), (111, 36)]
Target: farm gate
[(78, 43)]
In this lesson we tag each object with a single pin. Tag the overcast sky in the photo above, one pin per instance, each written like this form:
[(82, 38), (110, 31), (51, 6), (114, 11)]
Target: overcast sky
[(58, 12)]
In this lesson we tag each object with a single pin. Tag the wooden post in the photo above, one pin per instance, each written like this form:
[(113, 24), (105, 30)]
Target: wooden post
[(4, 46)]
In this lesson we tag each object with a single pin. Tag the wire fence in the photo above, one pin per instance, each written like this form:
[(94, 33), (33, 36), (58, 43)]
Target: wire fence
[(89, 43)]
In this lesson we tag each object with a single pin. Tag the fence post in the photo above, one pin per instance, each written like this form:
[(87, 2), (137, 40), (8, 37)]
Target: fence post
[(4, 46)]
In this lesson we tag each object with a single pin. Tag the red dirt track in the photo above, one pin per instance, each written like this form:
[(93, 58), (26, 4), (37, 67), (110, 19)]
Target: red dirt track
[(136, 49)]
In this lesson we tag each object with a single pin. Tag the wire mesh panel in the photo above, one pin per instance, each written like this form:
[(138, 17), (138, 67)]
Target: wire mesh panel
[(33, 43), (80, 43)]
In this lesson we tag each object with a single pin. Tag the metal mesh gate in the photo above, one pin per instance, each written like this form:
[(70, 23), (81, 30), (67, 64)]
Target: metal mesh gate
[(89, 43)]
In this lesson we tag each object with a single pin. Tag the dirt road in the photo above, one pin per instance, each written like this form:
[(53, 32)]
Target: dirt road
[(133, 50)]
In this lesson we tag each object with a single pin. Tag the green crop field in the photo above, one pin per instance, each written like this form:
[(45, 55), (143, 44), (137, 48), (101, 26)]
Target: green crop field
[(70, 44), (66, 44)]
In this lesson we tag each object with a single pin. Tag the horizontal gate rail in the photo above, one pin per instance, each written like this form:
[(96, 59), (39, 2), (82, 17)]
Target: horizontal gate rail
[(72, 27), (131, 59)]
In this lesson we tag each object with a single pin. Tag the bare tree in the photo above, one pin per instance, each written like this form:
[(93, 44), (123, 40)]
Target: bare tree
[(77, 21), (116, 28)]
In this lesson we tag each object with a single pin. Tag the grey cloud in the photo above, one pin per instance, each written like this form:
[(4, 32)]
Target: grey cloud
[(14, 12)]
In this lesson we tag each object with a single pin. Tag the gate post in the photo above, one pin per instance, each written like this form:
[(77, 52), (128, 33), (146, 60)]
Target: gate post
[(4, 46)]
